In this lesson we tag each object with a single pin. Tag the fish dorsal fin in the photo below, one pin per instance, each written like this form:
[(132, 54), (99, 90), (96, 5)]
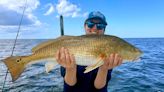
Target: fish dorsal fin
[(44, 44)]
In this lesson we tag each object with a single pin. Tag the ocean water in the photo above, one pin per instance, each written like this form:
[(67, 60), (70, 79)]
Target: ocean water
[(144, 76)]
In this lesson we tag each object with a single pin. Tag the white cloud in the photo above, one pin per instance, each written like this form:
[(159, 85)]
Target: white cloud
[(11, 12), (68, 9), (18, 5), (10, 15), (50, 10)]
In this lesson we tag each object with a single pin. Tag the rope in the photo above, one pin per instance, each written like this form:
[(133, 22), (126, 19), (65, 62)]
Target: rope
[(15, 43)]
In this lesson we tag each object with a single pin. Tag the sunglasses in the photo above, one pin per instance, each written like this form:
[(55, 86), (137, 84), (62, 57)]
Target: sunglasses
[(99, 26)]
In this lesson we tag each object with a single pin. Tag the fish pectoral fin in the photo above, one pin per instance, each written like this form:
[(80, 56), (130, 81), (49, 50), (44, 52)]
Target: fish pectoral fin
[(92, 67), (50, 65)]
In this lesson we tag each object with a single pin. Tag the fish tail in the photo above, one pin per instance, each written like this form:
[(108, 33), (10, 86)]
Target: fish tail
[(15, 66)]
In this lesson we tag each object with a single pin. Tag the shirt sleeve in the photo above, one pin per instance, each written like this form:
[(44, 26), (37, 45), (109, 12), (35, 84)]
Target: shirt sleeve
[(104, 89), (68, 88)]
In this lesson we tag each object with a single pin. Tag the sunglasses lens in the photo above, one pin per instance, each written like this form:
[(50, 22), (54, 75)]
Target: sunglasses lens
[(100, 26), (90, 24)]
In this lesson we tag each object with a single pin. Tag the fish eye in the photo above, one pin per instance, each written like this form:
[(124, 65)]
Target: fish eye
[(18, 60)]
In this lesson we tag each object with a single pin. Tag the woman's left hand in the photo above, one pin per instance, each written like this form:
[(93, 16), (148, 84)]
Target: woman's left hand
[(112, 61)]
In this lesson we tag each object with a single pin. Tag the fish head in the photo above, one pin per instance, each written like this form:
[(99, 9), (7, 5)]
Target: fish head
[(15, 65), (15, 59), (133, 54), (137, 54)]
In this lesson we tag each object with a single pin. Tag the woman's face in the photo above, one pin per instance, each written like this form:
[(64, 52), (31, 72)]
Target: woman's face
[(94, 26)]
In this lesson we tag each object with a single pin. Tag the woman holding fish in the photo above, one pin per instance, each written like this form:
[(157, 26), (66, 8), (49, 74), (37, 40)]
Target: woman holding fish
[(97, 80)]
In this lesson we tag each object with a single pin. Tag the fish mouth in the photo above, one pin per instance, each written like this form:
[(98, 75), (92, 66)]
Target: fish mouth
[(137, 59)]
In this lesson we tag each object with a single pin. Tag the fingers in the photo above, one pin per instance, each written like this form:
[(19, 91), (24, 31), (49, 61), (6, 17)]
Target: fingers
[(108, 62), (72, 59), (62, 52), (64, 58), (113, 60), (57, 56), (67, 57), (120, 61), (117, 60)]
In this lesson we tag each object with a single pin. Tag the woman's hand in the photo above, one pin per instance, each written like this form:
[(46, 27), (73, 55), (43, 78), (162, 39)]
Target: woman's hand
[(112, 61), (67, 60)]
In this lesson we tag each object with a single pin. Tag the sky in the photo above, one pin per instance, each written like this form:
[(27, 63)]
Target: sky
[(126, 18)]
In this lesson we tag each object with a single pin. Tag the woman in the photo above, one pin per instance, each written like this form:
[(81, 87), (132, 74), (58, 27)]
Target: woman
[(97, 80)]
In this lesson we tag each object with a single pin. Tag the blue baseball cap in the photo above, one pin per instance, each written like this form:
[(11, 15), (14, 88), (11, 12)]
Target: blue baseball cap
[(97, 15)]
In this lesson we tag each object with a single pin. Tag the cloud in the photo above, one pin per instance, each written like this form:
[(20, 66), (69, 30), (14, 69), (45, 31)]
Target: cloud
[(50, 10), (11, 12), (11, 17), (18, 5), (68, 9)]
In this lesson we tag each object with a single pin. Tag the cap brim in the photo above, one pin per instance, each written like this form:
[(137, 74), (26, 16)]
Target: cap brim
[(104, 22)]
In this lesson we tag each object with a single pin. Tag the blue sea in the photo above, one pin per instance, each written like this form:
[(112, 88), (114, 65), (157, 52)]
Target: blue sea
[(144, 76)]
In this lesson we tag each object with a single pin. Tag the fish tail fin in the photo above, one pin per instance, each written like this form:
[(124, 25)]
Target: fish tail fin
[(99, 62), (15, 66)]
